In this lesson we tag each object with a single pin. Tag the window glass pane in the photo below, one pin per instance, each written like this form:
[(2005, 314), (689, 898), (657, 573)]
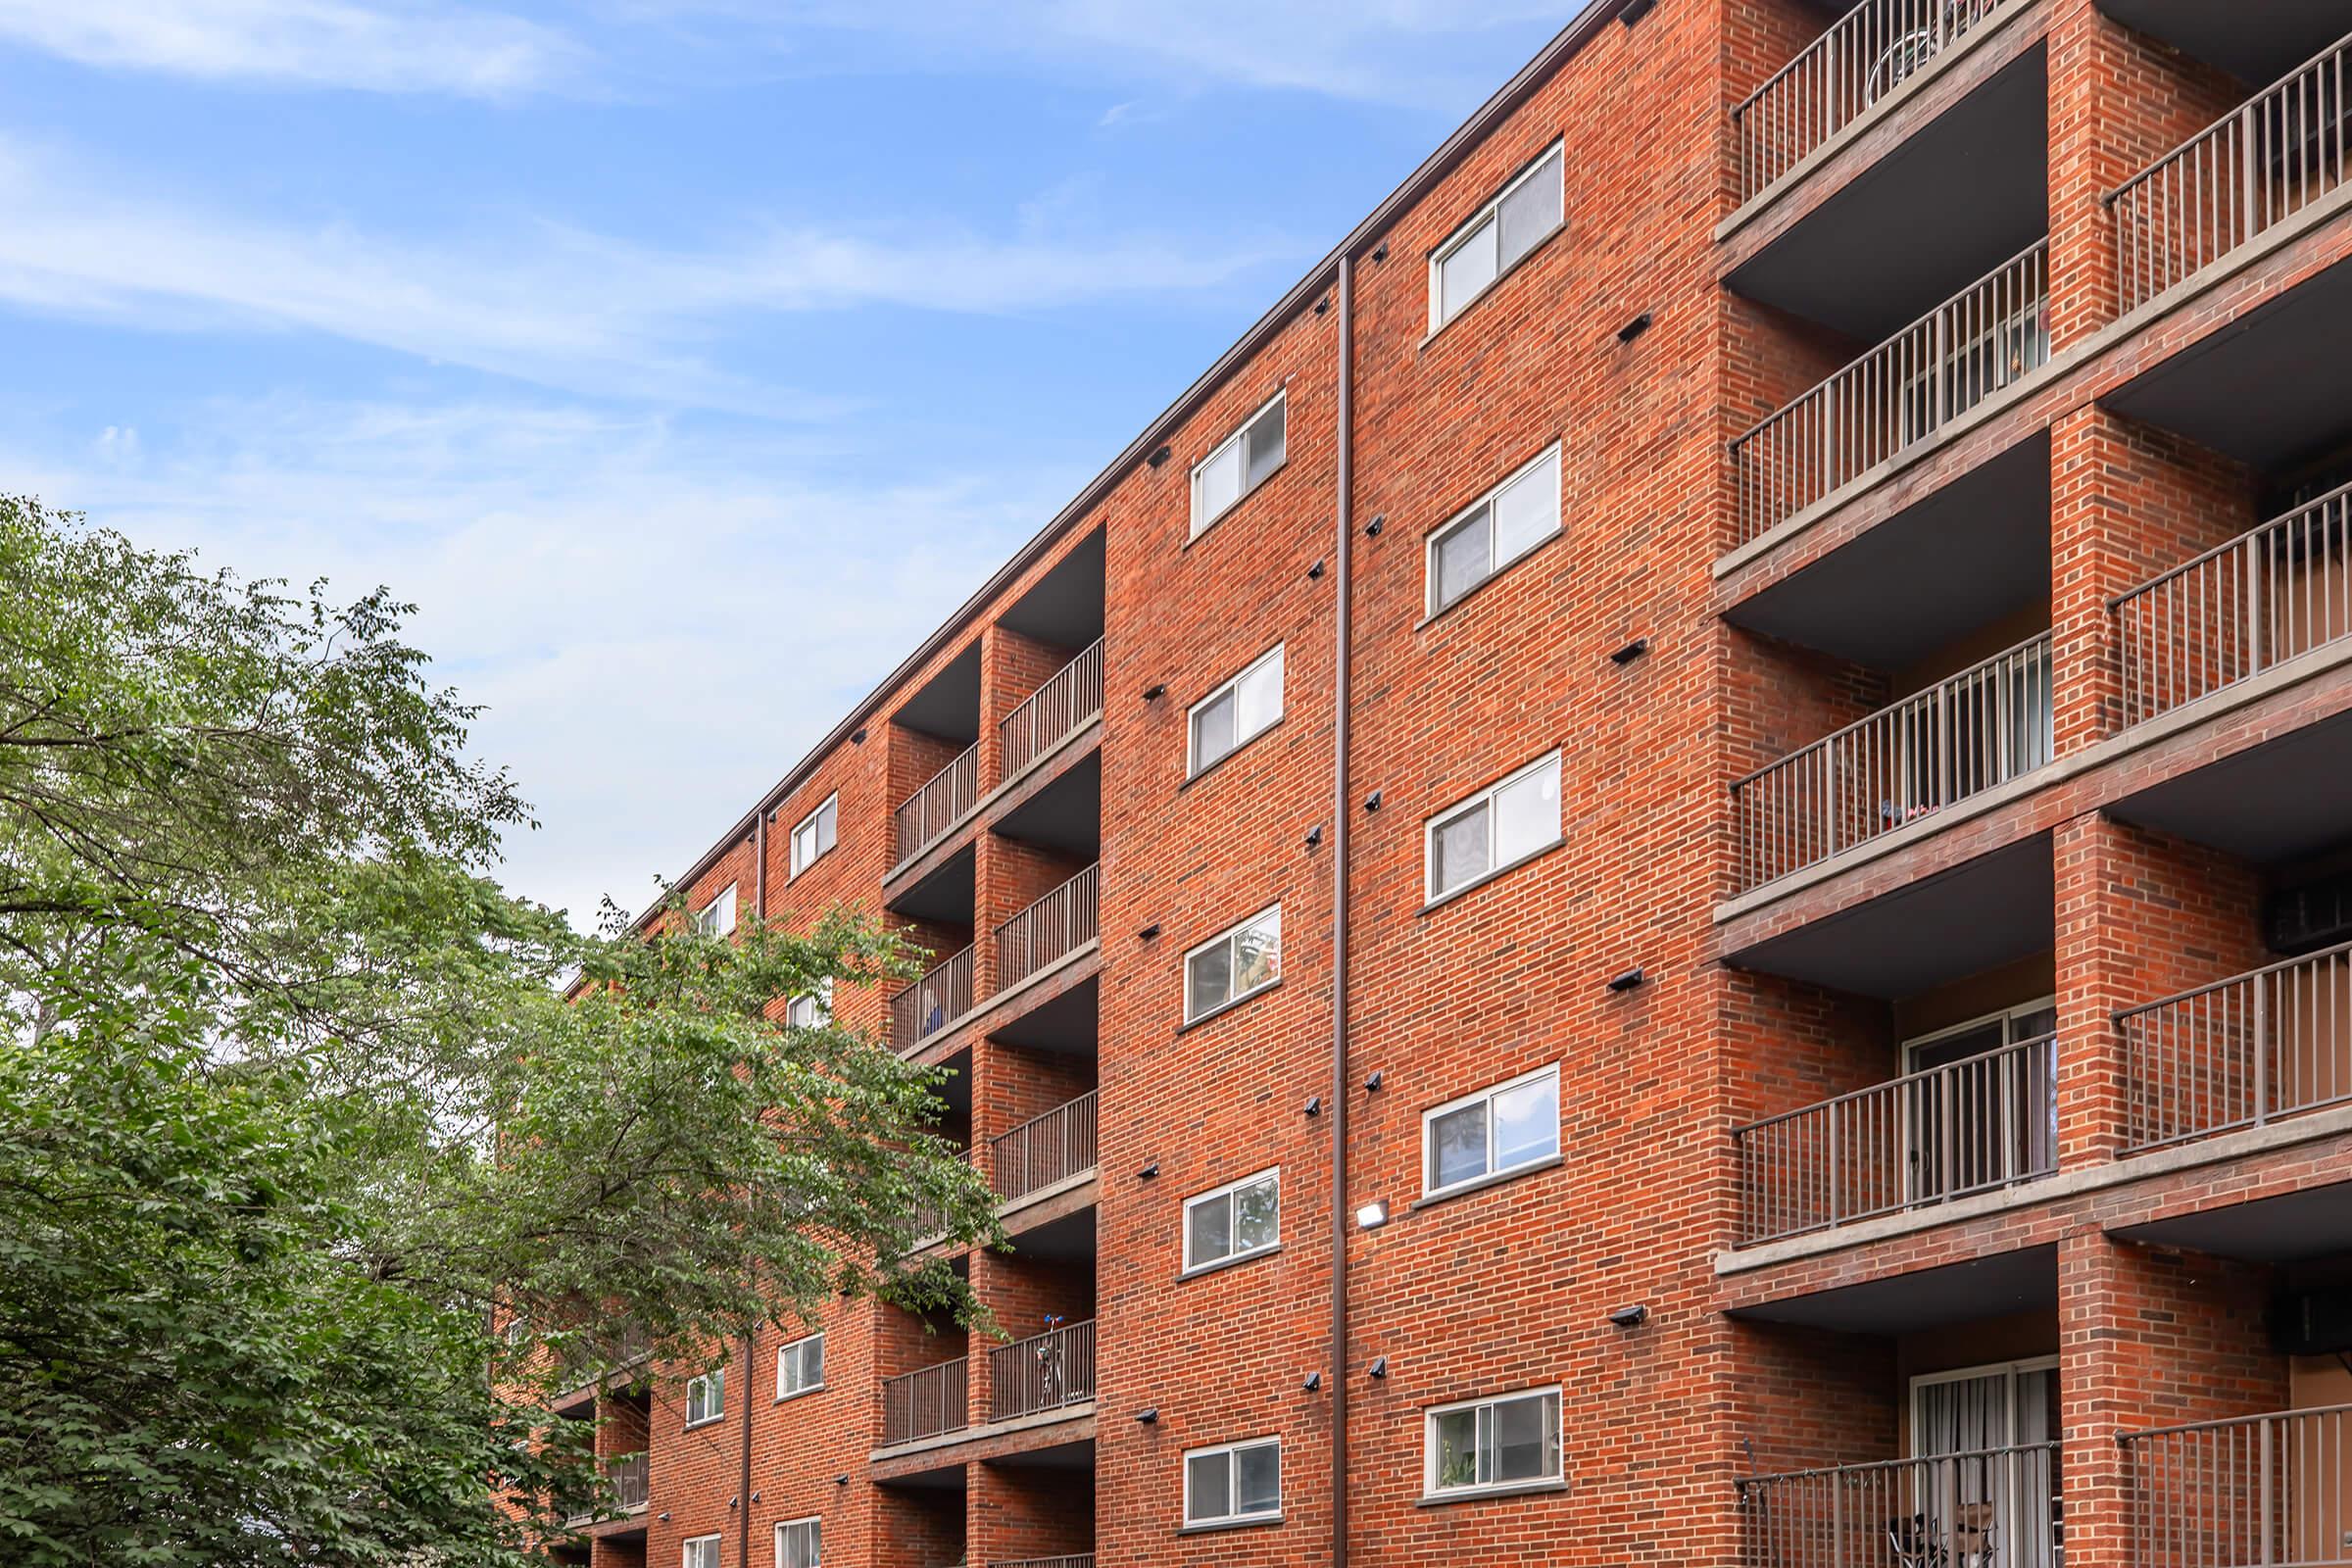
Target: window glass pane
[(1257, 954), (1209, 979), (803, 845), (1458, 851), (826, 818), (1526, 813), (812, 1361), (1457, 1443), (1209, 1225), (1218, 484), (1208, 1486), (1457, 1146), (1529, 511), (1212, 730), (1266, 440), (1468, 269), (1520, 1451), (1256, 1214), (1261, 696), (1530, 211), (1527, 1123), (800, 1545), (1464, 558), (1257, 1479)]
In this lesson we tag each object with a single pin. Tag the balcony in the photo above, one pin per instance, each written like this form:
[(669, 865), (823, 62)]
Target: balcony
[(927, 1006), (1988, 1507), (630, 1479), (1989, 336), (2242, 1053), (2257, 1492), (1967, 1126), (927, 1404), (1960, 737), (2243, 608), (1045, 1150), (1048, 930), (1047, 1372), (1070, 697), (945, 799), (1078, 1559)]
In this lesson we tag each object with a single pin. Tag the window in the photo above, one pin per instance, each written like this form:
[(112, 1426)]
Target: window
[(1224, 969), (717, 918), (701, 1552), (1510, 1442), (1491, 244), (1238, 1221), (1506, 1128), (797, 1543), (1233, 1482), (815, 836), (1501, 824), (801, 1368), (1243, 462), (707, 1398), (814, 1009), (1235, 713), (1501, 527)]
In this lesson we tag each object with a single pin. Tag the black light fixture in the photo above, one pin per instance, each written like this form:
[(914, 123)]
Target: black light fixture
[(665, 1518), (1373, 1082), (858, 738), (1633, 328), (755, 1496), (1372, 802), (1147, 932), (1322, 305), (1314, 573), (1636, 11), (1380, 252), (1314, 1380), (1315, 835), (841, 1481), (1148, 1171), (732, 1503), (1157, 457), (1626, 981), (1315, 1105), (1630, 652), (1380, 1366), (1372, 528), (1149, 1415), (1630, 1317), (1156, 691)]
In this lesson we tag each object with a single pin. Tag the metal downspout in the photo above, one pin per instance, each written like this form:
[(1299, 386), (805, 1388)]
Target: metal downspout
[(1338, 929)]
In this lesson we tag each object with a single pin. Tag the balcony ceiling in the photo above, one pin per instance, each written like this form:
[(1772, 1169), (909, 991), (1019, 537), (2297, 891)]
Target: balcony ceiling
[(1964, 194), (2255, 43), (2273, 387), (2275, 801), (1065, 816), (1965, 556), (1065, 608), (949, 705), (1079, 1455), (945, 895), (1930, 1298), (1068, 1024), (2287, 1229), (1995, 909)]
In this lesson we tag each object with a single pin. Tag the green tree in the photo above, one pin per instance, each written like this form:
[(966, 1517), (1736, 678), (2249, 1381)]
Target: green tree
[(298, 1108)]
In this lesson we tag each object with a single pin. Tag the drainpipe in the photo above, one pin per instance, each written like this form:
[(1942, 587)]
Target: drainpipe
[(1339, 934), (751, 1336)]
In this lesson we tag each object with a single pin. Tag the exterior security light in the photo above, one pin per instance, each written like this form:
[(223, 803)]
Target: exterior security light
[(1372, 1216), (1630, 1317)]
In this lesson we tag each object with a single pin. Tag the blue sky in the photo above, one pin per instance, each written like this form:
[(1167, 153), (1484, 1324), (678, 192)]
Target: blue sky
[(686, 363)]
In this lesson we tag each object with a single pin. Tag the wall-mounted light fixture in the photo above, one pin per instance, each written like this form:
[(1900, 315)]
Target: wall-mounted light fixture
[(841, 1481), (1315, 835), (1372, 1084), (1630, 652), (1630, 1317), (1626, 981), (1372, 529), (1636, 11), (858, 738), (1148, 1171), (1314, 1380), (1157, 457), (1149, 1415), (1322, 305), (1156, 691), (1380, 252), (1372, 802), (1147, 932), (1315, 1105), (1633, 328), (1314, 571), (1379, 1367), (1373, 1215)]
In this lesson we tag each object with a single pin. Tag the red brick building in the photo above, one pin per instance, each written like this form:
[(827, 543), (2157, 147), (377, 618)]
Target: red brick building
[(1665, 878)]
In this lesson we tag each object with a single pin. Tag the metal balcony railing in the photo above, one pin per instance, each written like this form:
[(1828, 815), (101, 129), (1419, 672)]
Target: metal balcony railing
[(1070, 696), (1865, 55), (1054, 927), (939, 805), (1051, 1370), (1960, 737), (1967, 1126), (1045, 1150), (2281, 152), (1076, 1559), (2275, 591), (932, 1002), (1992, 334), (1989, 1506), (2257, 1492), (2241, 1052), (925, 1404), (929, 1220), (631, 1479)]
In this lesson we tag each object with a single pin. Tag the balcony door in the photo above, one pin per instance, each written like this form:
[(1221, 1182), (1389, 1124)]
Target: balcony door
[(1984, 1495), (1981, 1115)]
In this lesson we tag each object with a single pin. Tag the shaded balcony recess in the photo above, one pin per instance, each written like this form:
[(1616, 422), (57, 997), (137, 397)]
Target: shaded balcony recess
[(1863, 57), (1959, 737), (2273, 592), (1050, 1371), (2245, 1052), (1070, 697), (1045, 1149), (2281, 152), (1048, 930), (931, 1004), (2255, 1491), (926, 1403), (630, 1478), (944, 800), (1925, 1138), (1988, 336), (1953, 1510)]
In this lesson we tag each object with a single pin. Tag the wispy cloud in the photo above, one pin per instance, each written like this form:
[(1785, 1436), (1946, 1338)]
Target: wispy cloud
[(303, 43)]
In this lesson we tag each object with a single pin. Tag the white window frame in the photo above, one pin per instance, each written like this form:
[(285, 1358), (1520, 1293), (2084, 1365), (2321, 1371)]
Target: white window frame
[(1202, 525), (832, 803), (690, 1551), (1468, 229), (815, 1524), (820, 1001), (1237, 998), (1429, 1444), (1430, 829), (1224, 1195), (784, 1352), (1227, 1451), (1493, 1172), (708, 1382), (1191, 716), (717, 918), (1431, 608)]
